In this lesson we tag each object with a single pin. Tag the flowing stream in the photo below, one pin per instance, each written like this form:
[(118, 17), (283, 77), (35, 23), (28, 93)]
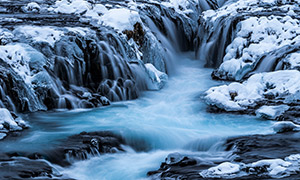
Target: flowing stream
[(173, 119)]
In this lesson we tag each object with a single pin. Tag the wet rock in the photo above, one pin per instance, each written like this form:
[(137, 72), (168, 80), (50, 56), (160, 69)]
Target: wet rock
[(257, 147), (83, 146), (177, 166), (24, 168)]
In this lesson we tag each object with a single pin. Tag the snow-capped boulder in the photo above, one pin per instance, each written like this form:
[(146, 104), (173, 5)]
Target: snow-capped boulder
[(275, 168), (32, 7), (223, 170), (272, 88), (285, 126), (272, 112), (6, 120)]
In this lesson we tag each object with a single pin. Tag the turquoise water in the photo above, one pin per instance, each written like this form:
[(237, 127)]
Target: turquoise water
[(171, 120)]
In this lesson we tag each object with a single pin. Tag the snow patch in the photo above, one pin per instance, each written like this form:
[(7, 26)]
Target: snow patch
[(285, 126), (70, 6), (40, 33), (274, 168), (6, 119), (239, 96), (272, 112), (158, 78), (121, 19)]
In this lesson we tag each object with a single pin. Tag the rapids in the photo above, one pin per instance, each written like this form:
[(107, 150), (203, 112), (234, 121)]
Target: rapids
[(173, 119)]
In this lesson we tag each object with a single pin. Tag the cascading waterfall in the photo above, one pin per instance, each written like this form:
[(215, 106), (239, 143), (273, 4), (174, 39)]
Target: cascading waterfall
[(87, 63)]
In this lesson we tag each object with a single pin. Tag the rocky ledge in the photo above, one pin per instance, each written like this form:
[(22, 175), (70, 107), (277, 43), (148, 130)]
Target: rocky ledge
[(18, 165), (253, 157), (23, 168)]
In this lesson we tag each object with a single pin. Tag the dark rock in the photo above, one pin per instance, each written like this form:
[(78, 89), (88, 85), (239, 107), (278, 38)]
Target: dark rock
[(178, 166), (83, 146), (257, 147), (23, 168)]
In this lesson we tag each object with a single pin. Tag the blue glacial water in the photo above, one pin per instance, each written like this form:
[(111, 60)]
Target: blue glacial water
[(167, 121)]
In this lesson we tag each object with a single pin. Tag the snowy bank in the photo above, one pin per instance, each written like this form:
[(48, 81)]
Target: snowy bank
[(9, 124), (273, 88), (250, 35), (274, 168)]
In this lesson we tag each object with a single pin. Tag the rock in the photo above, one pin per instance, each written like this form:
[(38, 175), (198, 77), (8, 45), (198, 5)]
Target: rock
[(269, 95), (272, 112), (8, 121), (24, 168), (83, 146), (240, 38), (285, 126), (257, 147), (178, 166)]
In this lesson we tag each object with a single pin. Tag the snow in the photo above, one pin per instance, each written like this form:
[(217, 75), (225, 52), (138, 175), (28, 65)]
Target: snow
[(158, 78), (266, 34), (6, 118), (2, 135), (70, 7), (272, 112), (40, 33), (121, 19), (177, 4), (5, 36), (278, 83), (225, 168), (285, 126), (255, 36), (22, 58), (275, 168), (32, 7), (293, 61)]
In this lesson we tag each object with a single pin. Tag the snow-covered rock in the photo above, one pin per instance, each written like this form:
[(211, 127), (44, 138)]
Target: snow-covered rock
[(8, 121), (250, 35), (39, 33), (274, 168), (272, 112), (32, 7), (70, 7), (158, 78), (223, 170), (259, 87), (121, 18), (285, 126)]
